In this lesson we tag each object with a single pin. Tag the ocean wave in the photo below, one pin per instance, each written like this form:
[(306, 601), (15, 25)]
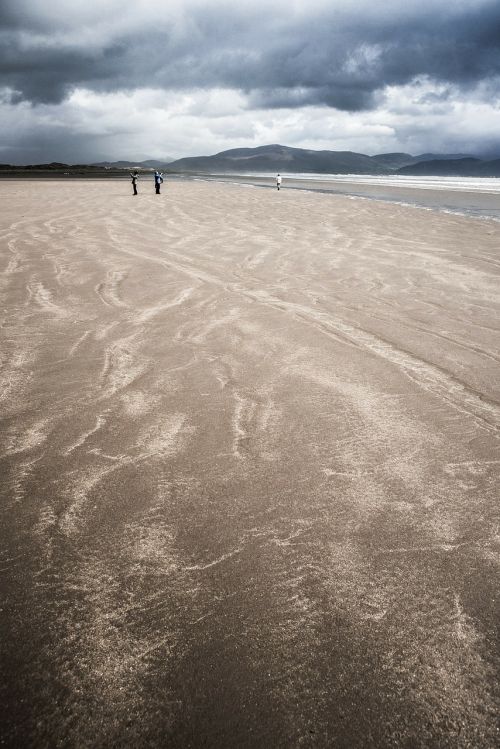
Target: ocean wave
[(464, 184)]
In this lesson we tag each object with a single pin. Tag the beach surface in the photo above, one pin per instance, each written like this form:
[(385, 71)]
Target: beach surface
[(250, 461), (473, 198)]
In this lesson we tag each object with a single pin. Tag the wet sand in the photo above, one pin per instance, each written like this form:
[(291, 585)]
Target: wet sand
[(250, 459), (477, 203)]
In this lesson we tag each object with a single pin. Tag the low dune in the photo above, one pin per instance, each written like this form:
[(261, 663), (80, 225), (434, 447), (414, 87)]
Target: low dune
[(250, 460)]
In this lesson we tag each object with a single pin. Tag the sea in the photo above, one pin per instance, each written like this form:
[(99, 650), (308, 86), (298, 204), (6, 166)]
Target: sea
[(467, 196)]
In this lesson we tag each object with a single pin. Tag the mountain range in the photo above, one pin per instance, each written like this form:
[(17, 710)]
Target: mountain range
[(277, 158), (287, 160)]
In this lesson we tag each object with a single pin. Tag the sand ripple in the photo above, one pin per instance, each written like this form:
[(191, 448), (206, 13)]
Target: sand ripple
[(250, 463)]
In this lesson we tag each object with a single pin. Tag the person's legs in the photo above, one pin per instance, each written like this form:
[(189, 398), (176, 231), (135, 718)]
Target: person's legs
[(135, 189)]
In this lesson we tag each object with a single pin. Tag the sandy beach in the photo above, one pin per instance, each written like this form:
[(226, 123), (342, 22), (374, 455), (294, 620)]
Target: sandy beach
[(479, 198), (250, 460)]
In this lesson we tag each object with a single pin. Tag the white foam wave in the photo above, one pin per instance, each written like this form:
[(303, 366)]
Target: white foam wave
[(464, 184)]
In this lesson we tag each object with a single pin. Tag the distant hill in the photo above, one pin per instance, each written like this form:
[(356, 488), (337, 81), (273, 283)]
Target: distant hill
[(148, 164), (441, 167), (399, 160), (276, 158), (59, 169), (154, 163), (394, 160), (54, 166), (441, 157), (489, 168), (461, 167)]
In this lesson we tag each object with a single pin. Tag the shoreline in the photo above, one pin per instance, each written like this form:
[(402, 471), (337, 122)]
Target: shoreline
[(469, 204)]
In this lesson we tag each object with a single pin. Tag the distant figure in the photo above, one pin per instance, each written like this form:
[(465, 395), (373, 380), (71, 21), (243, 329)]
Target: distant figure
[(134, 176), (278, 181), (158, 181)]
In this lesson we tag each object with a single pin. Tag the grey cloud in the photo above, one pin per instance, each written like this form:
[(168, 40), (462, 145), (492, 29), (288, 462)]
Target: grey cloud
[(49, 144), (329, 56)]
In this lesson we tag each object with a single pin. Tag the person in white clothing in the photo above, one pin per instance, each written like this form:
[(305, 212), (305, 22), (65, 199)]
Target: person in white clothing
[(134, 176), (278, 181)]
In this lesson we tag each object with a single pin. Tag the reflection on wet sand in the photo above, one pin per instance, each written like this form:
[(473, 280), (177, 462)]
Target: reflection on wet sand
[(250, 469)]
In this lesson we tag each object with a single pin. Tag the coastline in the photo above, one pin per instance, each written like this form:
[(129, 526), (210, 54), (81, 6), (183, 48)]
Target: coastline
[(471, 203)]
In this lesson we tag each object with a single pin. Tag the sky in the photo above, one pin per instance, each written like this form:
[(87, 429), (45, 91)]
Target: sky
[(94, 80)]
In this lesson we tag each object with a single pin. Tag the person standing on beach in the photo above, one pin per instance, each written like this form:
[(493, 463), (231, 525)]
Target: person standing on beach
[(278, 180), (134, 176), (158, 181)]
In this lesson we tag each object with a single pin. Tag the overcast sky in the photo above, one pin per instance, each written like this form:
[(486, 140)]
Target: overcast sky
[(90, 80)]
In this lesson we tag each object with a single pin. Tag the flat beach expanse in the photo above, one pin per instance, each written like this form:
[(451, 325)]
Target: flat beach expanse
[(479, 198), (250, 462)]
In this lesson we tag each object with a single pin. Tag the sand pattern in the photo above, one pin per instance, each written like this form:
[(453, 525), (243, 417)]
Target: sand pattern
[(250, 459)]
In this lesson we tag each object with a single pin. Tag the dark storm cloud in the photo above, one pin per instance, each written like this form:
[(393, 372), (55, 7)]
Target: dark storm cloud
[(337, 54)]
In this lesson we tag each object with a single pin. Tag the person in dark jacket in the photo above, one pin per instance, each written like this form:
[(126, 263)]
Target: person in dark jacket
[(158, 181), (134, 176)]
